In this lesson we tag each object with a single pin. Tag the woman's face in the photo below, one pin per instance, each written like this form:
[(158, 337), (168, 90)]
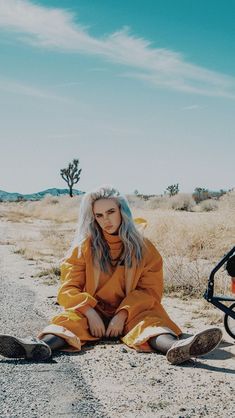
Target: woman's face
[(107, 215)]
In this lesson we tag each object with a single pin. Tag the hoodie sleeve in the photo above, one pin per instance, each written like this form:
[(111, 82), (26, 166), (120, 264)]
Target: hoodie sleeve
[(71, 294), (149, 288)]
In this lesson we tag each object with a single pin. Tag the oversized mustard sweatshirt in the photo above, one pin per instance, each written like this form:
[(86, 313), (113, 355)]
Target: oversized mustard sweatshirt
[(138, 290)]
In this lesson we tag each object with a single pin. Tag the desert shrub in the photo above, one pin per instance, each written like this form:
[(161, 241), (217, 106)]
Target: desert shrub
[(158, 202), (136, 201), (181, 201), (50, 200), (208, 205)]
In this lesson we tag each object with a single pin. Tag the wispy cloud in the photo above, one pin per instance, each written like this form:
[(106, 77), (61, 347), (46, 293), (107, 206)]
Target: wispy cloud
[(57, 29), (193, 107), (20, 88)]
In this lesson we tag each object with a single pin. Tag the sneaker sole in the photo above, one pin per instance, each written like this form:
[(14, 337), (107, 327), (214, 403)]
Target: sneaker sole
[(13, 347), (202, 343)]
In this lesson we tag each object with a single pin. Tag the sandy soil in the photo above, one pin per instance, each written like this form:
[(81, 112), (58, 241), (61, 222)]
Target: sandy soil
[(107, 379)]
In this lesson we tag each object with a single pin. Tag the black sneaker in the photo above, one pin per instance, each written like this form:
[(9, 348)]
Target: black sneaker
[(30, 348)]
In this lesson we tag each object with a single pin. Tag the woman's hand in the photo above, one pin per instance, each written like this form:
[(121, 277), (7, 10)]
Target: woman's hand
[(96, 325), (116, 324)]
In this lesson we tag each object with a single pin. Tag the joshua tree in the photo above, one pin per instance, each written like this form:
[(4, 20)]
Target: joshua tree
[(200, 194), (222, 192), (173, 189), (71, 175)]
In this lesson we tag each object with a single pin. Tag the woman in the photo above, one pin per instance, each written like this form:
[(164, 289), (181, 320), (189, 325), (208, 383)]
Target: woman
[(112, 285)]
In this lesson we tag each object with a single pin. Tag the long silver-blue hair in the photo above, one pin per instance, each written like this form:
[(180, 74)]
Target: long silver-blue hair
[(133, 242)]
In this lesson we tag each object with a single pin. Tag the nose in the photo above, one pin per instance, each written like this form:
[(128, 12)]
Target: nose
[(106, 220)]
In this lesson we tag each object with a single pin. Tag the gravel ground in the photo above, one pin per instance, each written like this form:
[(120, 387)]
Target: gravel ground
[(106, 379)]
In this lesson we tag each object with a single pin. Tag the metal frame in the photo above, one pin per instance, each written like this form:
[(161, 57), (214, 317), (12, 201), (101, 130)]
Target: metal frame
[(209, 293)]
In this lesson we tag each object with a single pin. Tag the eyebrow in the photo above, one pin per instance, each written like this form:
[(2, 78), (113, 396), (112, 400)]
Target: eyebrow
[(96, 213)]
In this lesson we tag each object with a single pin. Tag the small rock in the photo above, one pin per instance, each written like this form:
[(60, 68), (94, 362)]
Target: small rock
[(133, 364)]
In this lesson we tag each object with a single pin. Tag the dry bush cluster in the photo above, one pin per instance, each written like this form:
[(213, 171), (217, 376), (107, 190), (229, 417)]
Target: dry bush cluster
[(191, 242), (181, 202)]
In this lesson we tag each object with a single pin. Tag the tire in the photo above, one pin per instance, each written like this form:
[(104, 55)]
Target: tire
[(229, 323)]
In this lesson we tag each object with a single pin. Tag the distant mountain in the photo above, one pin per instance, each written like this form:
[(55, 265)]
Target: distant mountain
[(6, 197)]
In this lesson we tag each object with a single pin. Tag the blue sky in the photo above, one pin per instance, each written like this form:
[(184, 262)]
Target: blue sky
[(142, 92)]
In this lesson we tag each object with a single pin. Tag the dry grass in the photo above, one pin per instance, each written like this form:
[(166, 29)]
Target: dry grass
[(208, 311), (58, 240), (181, 201), (51, 242), (208, 205), (50, 275), (190, 242), (58, 209)]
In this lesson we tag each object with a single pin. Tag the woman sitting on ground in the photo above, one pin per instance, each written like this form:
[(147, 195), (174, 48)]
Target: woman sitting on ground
[(112, 285)]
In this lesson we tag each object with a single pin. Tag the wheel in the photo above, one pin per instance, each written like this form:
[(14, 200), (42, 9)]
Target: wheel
[(229, 323)]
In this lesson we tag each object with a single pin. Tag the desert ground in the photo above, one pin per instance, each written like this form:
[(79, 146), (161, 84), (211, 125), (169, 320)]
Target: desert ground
[(108, 379)]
